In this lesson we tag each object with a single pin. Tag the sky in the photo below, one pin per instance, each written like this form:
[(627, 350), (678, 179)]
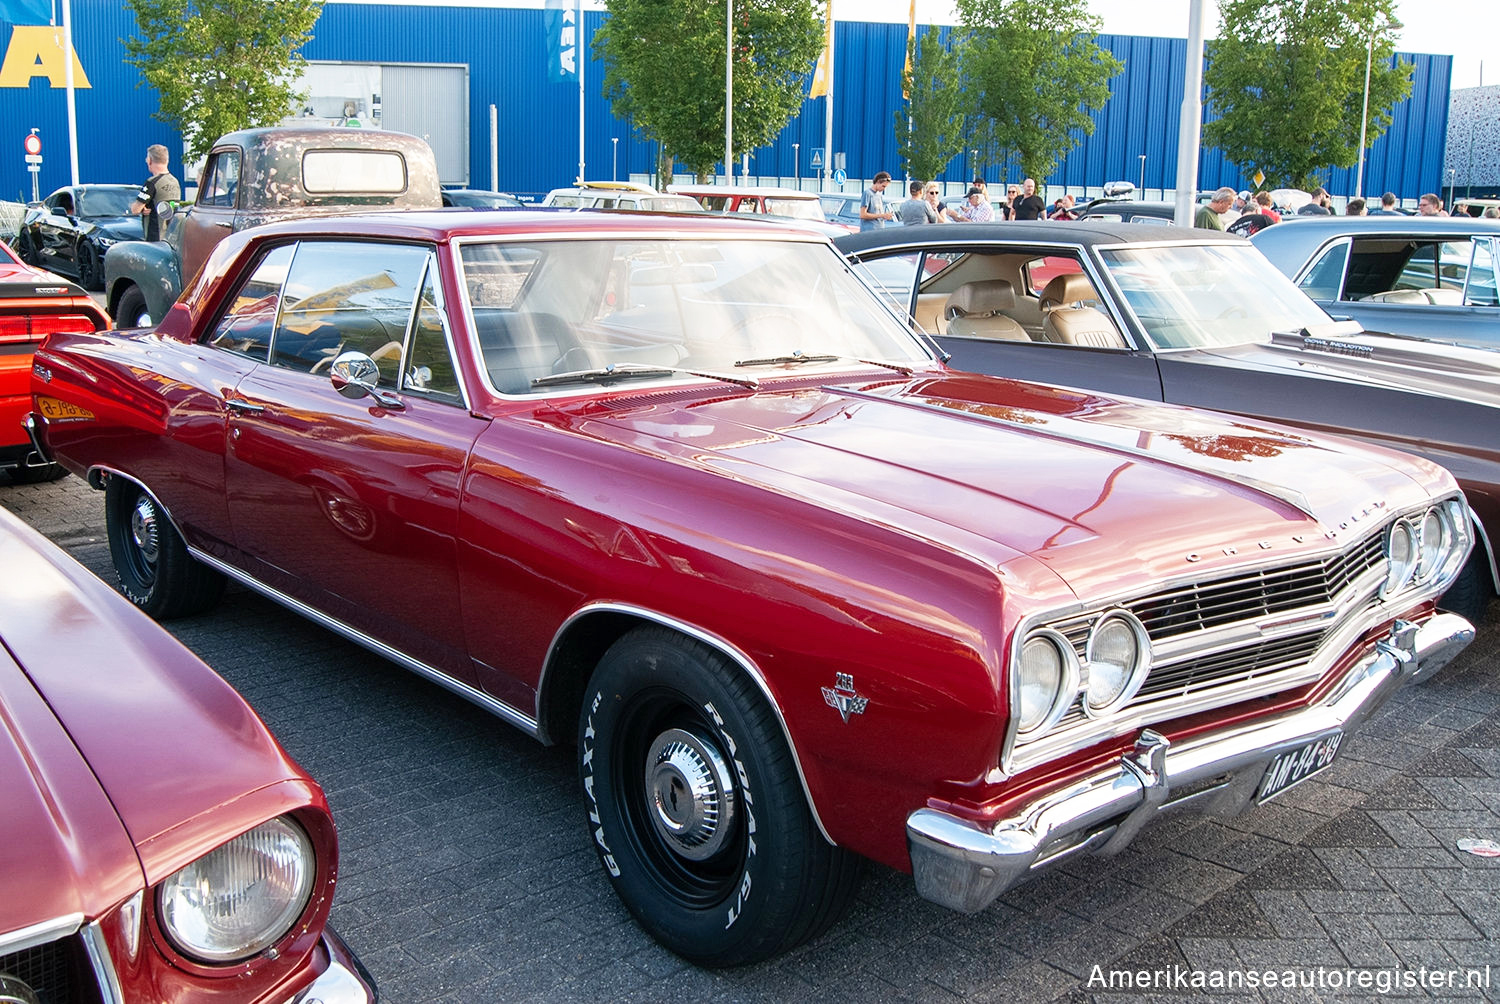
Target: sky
[(1463, 29)]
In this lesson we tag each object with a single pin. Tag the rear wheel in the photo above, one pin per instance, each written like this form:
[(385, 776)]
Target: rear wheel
[(696, 808), (132, 312), (36, 475), (156, 572)]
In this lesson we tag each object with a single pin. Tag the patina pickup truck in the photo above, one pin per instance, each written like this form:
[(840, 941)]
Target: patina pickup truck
[(260, 176)]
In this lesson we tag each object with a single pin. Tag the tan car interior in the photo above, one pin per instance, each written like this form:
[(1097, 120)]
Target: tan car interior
[(987, 296)]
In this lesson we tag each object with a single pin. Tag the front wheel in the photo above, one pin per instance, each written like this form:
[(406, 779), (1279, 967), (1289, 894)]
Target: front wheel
[(156, 572), (132, 312), (1471, 592), (696, 807)]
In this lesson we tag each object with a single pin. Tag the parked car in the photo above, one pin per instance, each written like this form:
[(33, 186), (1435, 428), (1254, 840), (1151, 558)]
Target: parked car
[(1429, 276), (756, 199), (1114, 210), (685, 490), (618, 195), (1199, 318), (71, 230), (842, 208), (474, 198), (158, 844), (1474, 207), (256, 176), (33, 304)]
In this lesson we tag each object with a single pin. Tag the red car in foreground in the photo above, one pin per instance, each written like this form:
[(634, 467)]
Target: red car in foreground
[(33, 304), (156, 843), (687, 492)]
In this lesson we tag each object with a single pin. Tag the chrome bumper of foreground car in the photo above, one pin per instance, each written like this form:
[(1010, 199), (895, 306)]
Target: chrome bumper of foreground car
[(345, 981), (964, 866), (32, 424)]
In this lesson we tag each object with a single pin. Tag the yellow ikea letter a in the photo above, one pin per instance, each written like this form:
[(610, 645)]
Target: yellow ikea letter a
[(37, 51)]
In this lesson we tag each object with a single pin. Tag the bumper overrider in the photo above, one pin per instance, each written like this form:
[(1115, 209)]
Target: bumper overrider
[(964, 865)]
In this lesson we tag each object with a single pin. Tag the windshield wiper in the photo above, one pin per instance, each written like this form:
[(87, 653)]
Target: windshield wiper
[(635, 371), (798, 357)]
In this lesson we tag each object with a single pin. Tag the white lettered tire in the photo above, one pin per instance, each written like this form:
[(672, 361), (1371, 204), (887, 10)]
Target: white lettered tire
[(695, 806)]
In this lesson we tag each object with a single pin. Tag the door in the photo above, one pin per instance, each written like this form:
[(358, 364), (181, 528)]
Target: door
[(212, 217), (351, 505)]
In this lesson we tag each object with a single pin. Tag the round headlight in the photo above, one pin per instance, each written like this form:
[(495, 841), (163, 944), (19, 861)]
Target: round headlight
[(1118, 655), (1400, 556), (1434, 543), (1048, 678), (242, 896)]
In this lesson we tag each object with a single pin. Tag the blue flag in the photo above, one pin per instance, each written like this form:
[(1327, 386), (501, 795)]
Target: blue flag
[(561, 22), (25, 11)]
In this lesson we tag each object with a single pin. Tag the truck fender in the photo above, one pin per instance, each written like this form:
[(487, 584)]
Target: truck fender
[(153, 267)]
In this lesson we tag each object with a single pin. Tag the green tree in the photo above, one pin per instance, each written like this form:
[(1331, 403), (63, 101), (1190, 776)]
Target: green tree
[(1036, 73), (930, 129), (221, 65), (664, 69), (1287, 83)]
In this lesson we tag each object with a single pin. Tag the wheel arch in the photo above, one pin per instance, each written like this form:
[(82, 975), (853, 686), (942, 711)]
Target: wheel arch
[(581, 642), (1483, 541)]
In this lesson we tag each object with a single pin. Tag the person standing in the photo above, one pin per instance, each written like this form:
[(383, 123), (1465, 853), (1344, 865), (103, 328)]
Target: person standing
[(1354, 207), (872, 212), (935, 201), (1387, 205), (1319, 204), (916, 209), (1262, 203), (1430, 205), (976, 210), (159, 187), (1008, 207), (1030, 205), (1209, 217)]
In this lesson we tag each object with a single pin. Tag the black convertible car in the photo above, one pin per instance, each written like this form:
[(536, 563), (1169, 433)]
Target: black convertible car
[(1194, 317), (70, 231)]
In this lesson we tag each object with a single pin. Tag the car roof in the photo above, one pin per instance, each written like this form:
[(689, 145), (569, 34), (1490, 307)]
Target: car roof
[(768, 190), (440, 225), (1310, 231), (1085, 232)]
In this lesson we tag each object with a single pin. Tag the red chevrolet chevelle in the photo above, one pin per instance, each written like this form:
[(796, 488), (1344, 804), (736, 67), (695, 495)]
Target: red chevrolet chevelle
[(156, 844), (685, 491)]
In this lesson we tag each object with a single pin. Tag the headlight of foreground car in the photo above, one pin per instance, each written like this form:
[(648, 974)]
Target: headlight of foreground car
[(242, 896), (1424, 548), (1118, 656), (1051, 679), (1048, 683)]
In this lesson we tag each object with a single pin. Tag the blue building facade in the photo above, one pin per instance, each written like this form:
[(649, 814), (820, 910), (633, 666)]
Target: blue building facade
[(506, 51)]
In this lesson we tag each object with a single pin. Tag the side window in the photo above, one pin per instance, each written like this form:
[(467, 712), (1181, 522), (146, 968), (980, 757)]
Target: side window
[(348, 296), (221, 179), (1041, 271), (246, 325), (1481, 291), (893, 277), (429, 366), (1326, 277)]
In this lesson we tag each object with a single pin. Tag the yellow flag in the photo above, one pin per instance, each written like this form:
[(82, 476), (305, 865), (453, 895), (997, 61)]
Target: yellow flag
[(820, 82), (911, 44)]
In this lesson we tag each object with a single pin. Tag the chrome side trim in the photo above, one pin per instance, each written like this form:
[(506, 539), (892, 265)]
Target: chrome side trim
[(103, 965), (713, 641), (494, 706), (40, 934), (1483, 538), (963, 864)]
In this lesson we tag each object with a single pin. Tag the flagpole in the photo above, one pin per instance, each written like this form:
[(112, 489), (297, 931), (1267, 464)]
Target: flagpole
[(68, 80), (828, 110)]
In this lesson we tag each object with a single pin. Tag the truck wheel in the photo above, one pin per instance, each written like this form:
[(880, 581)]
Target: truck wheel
[(155, 570), (132, 312), (696, 808), (1471, 592)]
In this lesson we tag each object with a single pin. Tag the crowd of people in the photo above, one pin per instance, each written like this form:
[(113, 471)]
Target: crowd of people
[(1246, 211)]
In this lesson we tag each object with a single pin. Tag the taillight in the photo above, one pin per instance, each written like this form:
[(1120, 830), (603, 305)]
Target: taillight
[(35, 327)]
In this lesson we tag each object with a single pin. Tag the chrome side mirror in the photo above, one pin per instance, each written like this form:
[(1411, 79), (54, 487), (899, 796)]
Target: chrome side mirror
[(165, 211), (354, 375)]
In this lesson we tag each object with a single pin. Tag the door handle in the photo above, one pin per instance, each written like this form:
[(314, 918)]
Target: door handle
[(221, 223), (243, 407)]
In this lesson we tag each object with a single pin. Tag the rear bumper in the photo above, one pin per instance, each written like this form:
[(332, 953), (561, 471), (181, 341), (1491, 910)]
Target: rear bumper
[(963, 865)]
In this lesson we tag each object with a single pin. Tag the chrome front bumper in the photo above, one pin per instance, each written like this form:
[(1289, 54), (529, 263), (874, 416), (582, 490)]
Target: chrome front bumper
[(345, 981), (963, 865)]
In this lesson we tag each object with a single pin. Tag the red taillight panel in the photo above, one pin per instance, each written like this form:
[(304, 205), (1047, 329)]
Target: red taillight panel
[(35, 327)]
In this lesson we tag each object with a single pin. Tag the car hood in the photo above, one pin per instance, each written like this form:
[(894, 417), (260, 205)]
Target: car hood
[(121, 228), (1099, 489), (120, 752)]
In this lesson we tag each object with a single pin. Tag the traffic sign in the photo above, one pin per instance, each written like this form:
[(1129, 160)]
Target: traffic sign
[(33, 144), (33, 158), (33, 168), (817, 157), (840, 176)]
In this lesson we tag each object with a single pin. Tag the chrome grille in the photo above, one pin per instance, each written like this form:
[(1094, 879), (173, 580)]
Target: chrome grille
[(1205, 605), (56, 973)]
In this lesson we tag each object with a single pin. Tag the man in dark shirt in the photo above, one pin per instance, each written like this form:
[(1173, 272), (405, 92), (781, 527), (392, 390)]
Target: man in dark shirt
[(1030, 205), (1318, 206), (159, 187)]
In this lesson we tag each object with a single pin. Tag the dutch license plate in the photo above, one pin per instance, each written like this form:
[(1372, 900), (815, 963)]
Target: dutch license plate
[(57, 410), (1296, 766)]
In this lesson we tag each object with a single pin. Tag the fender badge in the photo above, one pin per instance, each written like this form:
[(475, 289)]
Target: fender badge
[(841, 696)]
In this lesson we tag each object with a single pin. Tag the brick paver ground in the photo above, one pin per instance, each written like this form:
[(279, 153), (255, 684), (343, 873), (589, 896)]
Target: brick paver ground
[(467, 874)]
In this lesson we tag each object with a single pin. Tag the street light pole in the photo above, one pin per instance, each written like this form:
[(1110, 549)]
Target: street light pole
[(797, 165), (615, 164), (1142, 189), (1364, 116)]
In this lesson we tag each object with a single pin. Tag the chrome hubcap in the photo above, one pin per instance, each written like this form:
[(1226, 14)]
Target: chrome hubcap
[(143, 528), (691, 793)]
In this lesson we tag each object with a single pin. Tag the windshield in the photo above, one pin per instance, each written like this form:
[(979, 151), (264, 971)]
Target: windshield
[(753, 308), (802, 209), (105, 201), (1209, 295)]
